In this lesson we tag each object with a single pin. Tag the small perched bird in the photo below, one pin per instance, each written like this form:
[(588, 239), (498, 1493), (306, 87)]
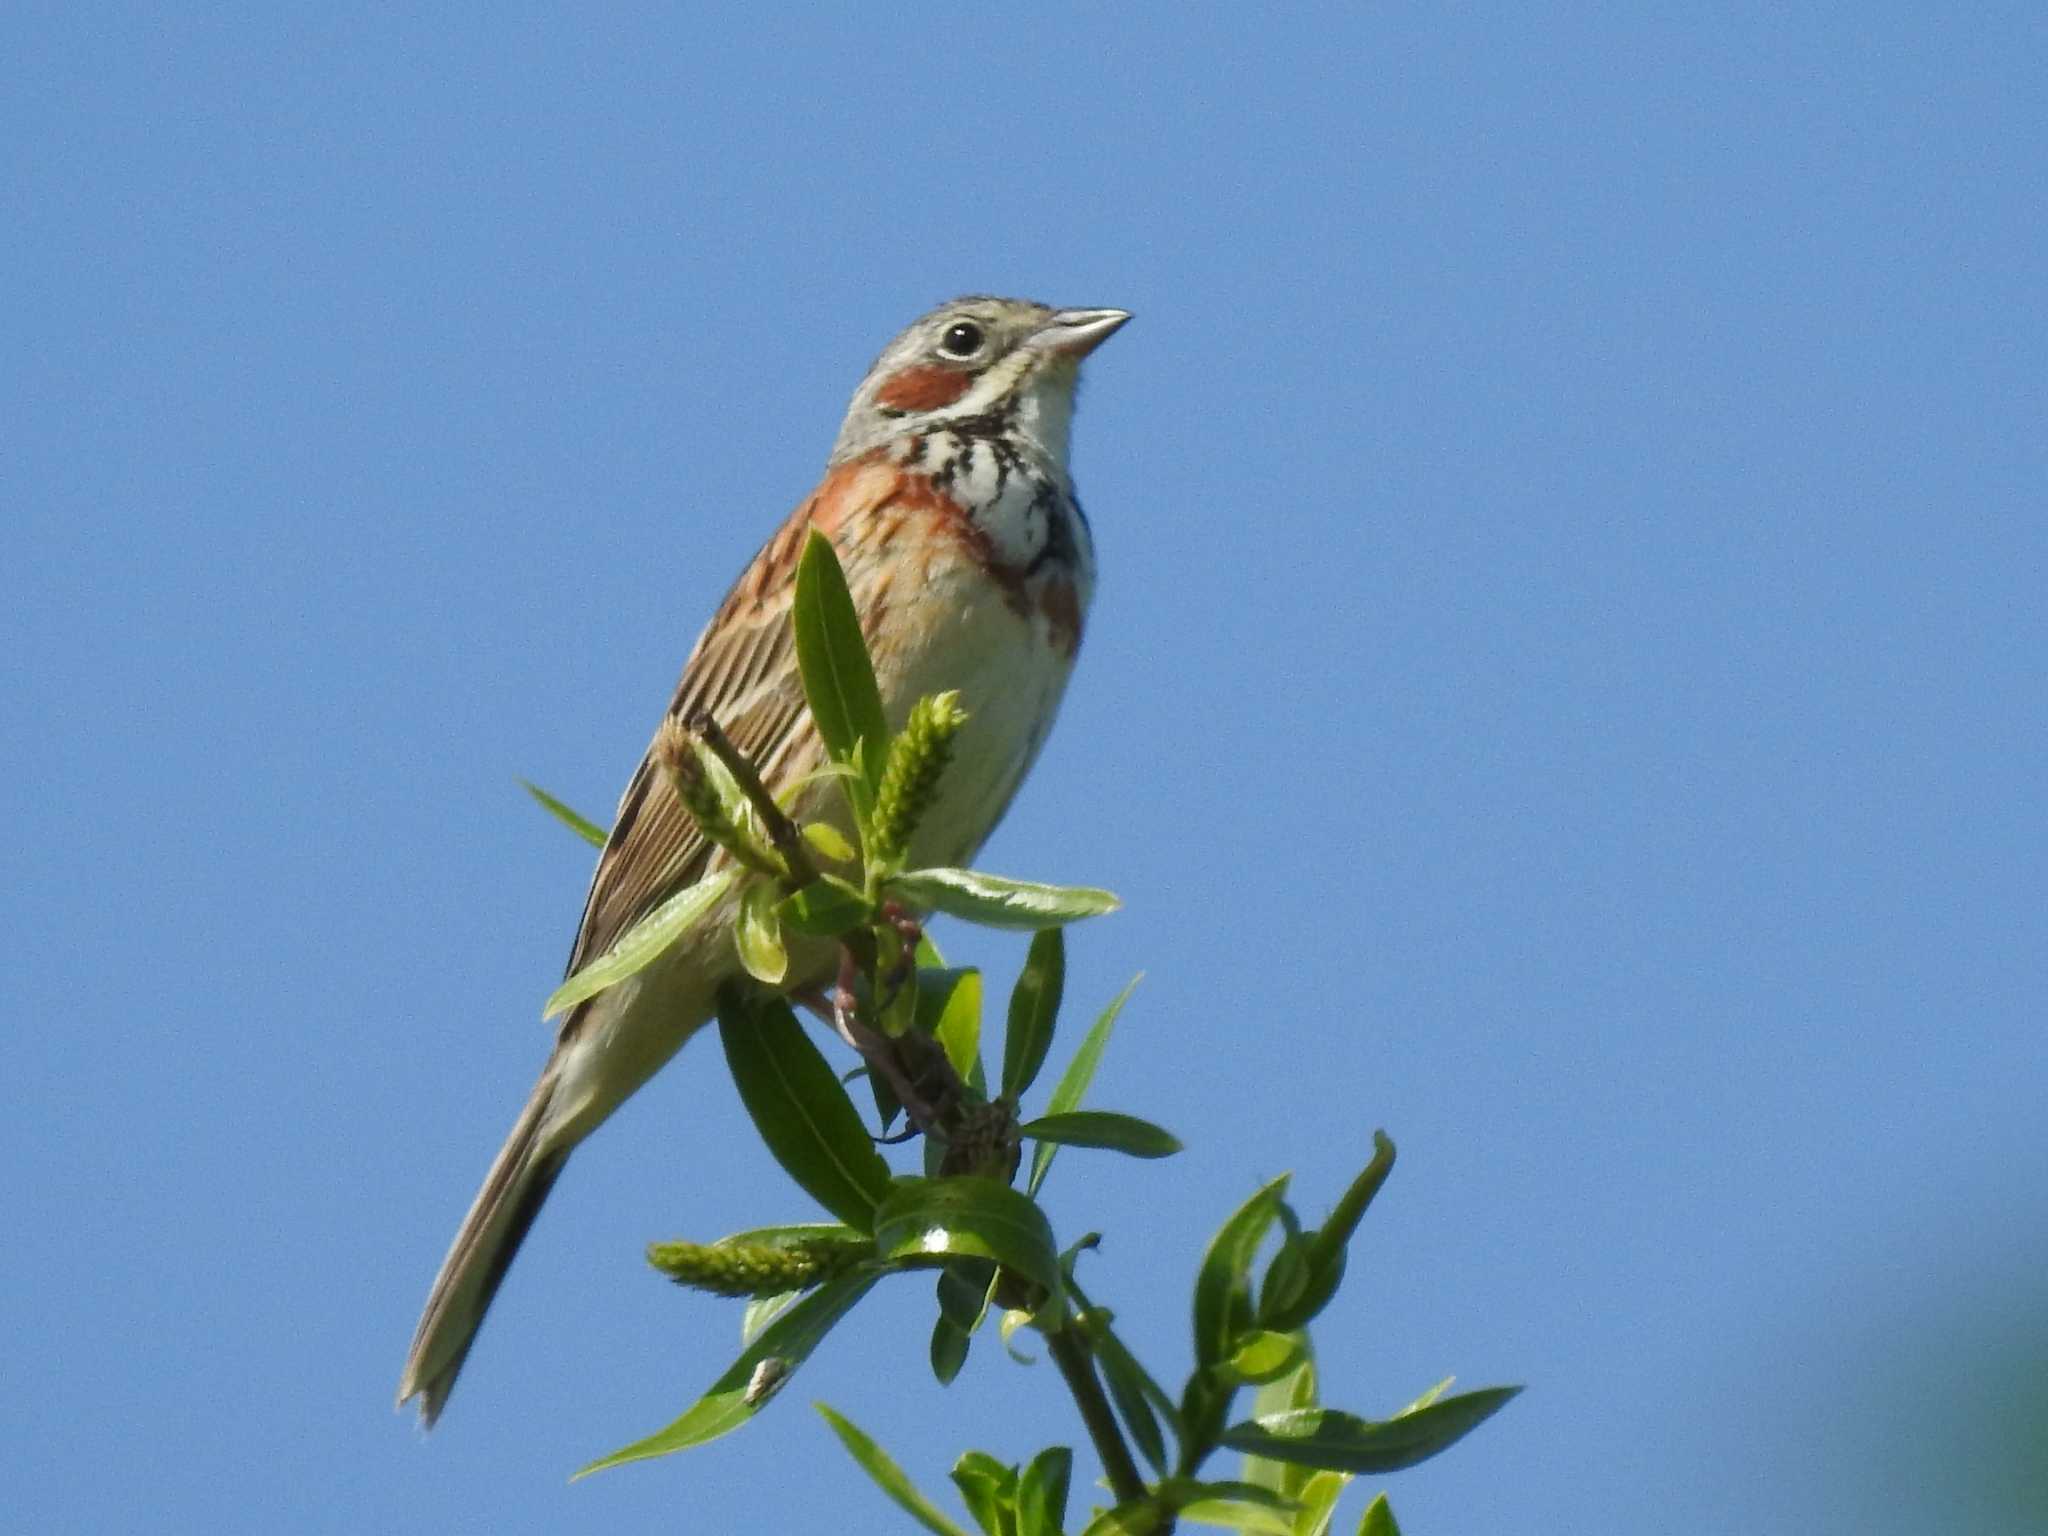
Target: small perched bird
[(948, 501)]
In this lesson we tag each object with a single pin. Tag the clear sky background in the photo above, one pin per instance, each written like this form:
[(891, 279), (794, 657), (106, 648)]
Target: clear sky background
[(1567, 686)]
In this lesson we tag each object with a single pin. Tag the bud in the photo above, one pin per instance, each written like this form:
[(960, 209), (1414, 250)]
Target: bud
[(715, 802)]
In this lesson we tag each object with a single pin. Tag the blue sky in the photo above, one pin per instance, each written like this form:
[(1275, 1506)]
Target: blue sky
[(1567, 686)]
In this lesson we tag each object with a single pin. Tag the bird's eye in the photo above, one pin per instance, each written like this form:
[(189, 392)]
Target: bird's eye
[(963, 338)]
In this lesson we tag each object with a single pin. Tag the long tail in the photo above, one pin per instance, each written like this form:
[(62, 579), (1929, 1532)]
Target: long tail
[(491, 1233)]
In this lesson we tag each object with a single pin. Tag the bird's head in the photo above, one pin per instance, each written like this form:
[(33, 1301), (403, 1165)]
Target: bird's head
[(979, 359)]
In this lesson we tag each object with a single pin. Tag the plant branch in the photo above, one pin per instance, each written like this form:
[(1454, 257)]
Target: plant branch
[(877, 1050), (1070, 1353), (782, 832)]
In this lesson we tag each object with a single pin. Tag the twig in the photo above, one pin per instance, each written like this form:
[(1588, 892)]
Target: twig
[(782, 832), (876, 1050)]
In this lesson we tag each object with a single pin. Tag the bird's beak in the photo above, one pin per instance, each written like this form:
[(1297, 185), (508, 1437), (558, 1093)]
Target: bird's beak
[(1074, 333)]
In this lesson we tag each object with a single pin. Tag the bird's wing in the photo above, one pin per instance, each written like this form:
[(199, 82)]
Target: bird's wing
[(743, 672)]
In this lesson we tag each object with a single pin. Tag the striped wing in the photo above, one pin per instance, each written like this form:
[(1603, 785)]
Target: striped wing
[(743, 672)]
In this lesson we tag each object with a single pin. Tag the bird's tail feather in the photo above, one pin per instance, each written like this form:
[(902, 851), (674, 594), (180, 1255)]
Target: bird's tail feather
[(491, 1233)]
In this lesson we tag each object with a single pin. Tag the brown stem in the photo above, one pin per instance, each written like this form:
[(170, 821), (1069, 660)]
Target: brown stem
[(876, 1050)]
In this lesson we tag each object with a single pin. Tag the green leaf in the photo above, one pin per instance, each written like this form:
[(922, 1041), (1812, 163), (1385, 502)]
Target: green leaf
[(825, 908), (1073, 1083), (1234, 1506), (1034, 1006), (1014, 1323), (1103, 1128), (736, 1397), (963, 1294), (1223, 1272), (964, 1291), (1127, 1391), (1140, 1517), (1042, 1493), (948, 1349), (989, 1490), (888, 1476), (758, 934), (582, 826), (996, 901), (762, 1311), (1428, 1397), (642, 944), (1131, 1386), (1342, 1442), (1262, 1356), (1318, 1499), (828, 841), (802, 1113), (1379, 1519), (1295, 1388), (968, 1217), (949, 1010), (839, 679), (1305, 1274)]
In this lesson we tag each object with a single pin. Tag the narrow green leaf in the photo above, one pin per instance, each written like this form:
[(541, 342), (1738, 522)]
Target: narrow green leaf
[(763, 1310), (963, 1295), (839, 679), (1127, 1390), (1379, 1519), (1295, 1388), (966, 1217), (1013, 1323), (1318, 1499), (1427, 1398), (1140, 1517), (642, 944), (825, 908), (1042, 1493), (737, 1396), (964, 1291), (829, 841), (1034, 1008), (995, 901), (949, 1010), (989, 1490), (582, 826), (1223, 1272), (758, 934), (888, 1476), (1103, 1128), (1234, 1506), (1306, 1275), (1262, 1356), (1342, 1442), (1073, 1084), (797, 1105), (1118, 1362), (948, 1350)]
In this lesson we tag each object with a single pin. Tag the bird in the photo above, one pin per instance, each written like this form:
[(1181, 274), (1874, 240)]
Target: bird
[(948, 501)]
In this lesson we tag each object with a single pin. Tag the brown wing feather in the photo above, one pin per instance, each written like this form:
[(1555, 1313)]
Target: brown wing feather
[(743, 672)]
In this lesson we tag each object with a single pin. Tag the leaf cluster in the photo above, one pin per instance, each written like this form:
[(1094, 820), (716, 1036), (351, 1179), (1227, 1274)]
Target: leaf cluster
[(987, 1245)]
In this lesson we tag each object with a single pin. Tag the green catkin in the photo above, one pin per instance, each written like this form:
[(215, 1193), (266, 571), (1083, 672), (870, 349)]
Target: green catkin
[(757, 1269), (917, 759)]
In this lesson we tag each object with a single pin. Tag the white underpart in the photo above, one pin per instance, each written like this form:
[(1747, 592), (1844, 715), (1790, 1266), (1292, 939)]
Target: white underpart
[(1009, 509), (1010, 671)]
